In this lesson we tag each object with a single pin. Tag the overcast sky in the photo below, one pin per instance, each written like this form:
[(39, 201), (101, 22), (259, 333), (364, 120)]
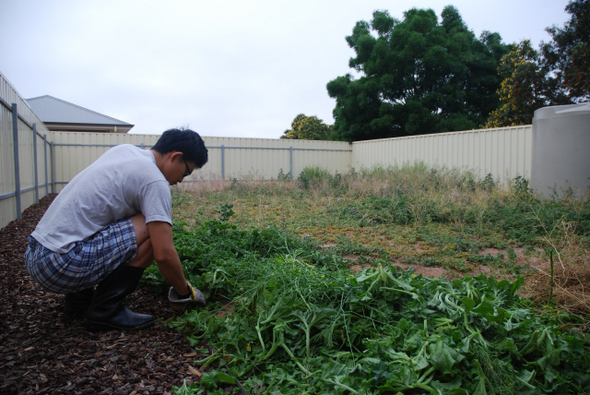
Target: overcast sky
[(221, 67)]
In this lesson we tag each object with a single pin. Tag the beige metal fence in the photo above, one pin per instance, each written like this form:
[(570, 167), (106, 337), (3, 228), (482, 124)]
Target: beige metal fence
[(75, 151), (504, 152), (229, 158), (248, 158), (25, 157)]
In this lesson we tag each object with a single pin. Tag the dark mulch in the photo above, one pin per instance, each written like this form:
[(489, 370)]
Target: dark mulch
[(44, 352)]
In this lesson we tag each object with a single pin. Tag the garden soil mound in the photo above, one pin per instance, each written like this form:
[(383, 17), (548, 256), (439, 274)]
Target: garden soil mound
[(44, 352)]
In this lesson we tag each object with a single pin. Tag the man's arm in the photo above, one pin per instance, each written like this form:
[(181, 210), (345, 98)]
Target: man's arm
[(160, 234)]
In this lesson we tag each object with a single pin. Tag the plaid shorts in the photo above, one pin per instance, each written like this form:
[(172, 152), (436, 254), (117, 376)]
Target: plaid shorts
[(88, 263)]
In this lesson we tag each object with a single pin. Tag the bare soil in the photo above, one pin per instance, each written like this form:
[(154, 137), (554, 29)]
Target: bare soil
[(42, 351)]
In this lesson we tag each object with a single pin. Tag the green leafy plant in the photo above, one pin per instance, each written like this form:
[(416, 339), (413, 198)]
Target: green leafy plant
[(225, 211), (187, 389), (302, 323)]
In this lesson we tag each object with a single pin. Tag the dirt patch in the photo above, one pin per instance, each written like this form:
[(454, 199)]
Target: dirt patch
[(44, 352), (426, 271), (524, 257)]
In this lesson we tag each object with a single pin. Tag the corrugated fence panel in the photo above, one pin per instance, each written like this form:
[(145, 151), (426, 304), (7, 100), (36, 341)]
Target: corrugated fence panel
[(250, 158), (75, 151), (335, 157), (504, 152), (6, 151), (245, 158), (26, 164), (240, 158), (8, 182)]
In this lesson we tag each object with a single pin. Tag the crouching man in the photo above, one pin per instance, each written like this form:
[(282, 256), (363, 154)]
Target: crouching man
[(109, 224)]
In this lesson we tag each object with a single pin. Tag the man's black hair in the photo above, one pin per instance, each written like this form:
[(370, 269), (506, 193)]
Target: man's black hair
[(186, 141)]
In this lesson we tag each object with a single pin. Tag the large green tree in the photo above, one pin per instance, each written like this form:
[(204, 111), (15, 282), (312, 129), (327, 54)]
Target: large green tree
[(417, 76), (567, 56), (522, 90), (308, 128)]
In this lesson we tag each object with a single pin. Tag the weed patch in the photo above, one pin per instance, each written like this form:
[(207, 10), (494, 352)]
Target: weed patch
[(301, 322)]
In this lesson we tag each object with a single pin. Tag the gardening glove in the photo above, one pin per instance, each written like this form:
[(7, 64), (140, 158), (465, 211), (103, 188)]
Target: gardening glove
[(181, 303)]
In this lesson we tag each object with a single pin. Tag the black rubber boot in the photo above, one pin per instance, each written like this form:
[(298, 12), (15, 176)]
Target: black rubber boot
[(77, 303), (107, 312)]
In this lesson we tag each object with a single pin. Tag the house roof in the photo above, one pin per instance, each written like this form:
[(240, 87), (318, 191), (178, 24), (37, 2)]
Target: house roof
[(53, 110)]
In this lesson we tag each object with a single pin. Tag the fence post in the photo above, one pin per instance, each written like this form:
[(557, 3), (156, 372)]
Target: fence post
[(52, 159), (16, 160), (45, 161), (35, 163), (222, 162), (291, 162)]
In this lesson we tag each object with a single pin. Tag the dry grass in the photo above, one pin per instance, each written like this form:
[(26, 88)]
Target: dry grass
[(570, 278)]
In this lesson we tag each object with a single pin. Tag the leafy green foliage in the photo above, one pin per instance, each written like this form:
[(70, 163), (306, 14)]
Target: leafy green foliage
[(557, 75), (186, 389), (420, 76), (225, 211), (375, 210), (312, 175), (567, 56), (417, 77), (308, 128), (302, 323), (526, 218), (521, 90)]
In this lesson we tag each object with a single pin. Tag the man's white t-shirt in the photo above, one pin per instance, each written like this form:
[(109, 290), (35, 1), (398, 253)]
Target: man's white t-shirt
[(123, 182)]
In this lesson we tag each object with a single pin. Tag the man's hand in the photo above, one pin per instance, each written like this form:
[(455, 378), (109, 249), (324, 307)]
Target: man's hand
[(181, 303)]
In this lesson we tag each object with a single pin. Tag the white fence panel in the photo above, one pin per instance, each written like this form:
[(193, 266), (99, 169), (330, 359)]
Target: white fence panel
[(503, 152)]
